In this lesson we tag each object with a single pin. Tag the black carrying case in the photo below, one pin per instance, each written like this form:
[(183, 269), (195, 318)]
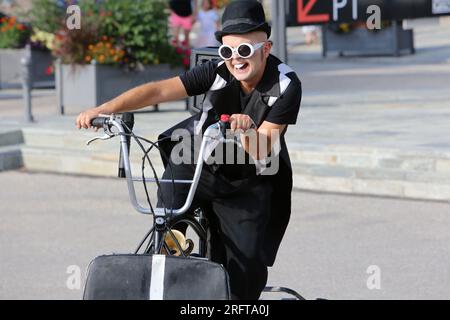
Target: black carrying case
[(155, 277)]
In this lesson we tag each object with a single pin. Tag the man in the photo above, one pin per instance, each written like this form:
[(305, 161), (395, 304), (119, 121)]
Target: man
[(249, 207)]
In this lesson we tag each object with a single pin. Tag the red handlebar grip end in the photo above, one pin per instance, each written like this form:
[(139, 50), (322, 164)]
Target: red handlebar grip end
[(225, 117)]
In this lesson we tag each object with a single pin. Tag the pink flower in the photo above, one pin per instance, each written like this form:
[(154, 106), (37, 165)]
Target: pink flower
[(179, 50), (49, 70)]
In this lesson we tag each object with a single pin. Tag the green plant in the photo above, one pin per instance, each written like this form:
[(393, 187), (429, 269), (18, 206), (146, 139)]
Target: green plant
[(42, 40), (141, 27), (72, 46), (13, 34), (135, 28), (47, 15)]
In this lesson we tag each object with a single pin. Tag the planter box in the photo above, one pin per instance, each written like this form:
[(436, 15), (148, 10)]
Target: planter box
[(392, 40), (84, 86), (11, 68)]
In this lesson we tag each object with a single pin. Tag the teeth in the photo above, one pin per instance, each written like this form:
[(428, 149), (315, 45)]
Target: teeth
[(239, 66)]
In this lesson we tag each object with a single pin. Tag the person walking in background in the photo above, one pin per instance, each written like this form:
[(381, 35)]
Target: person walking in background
[(311, 34), (182, 17), (208, 20)]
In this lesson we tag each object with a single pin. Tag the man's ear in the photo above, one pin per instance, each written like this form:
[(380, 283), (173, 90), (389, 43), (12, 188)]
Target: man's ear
[(267, 48)]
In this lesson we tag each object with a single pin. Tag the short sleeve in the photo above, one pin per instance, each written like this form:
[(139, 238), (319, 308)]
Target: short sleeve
[(285, 110), (199, 79)]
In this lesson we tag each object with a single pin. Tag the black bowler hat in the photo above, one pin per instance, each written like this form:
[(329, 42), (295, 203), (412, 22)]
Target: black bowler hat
[(243, 16)]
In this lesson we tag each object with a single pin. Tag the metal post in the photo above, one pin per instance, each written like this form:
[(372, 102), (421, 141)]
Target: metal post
[(274, 20), (26, 85), (278, 17), (59, 86), (282, 30), (396, 45), (324, 41)]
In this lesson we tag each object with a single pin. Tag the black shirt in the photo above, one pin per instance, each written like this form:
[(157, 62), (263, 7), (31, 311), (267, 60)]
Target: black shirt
[(182, 8), (245, 99), (284, 111)]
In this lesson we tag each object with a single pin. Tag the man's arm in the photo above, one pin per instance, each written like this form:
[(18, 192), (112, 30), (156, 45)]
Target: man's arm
[(267, 136), (258, 143), (142, 96)]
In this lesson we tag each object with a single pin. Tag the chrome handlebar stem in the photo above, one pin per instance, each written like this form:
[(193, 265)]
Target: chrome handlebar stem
[(212, 132)]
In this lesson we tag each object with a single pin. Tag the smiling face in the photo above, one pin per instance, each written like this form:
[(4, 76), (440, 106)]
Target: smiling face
[(248, 71)]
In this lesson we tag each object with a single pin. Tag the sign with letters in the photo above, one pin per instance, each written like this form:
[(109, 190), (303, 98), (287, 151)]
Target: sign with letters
[(441, 7), (306, 12)]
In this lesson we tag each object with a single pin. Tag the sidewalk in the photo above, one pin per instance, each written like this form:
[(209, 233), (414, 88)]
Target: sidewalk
[(376, 125)]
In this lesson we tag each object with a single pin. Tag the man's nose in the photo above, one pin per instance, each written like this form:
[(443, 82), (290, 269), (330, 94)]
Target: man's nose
[(236, 56)]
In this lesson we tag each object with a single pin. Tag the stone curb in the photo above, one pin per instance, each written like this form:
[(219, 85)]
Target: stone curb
[(333, 168), (10, 158), (390, 188)]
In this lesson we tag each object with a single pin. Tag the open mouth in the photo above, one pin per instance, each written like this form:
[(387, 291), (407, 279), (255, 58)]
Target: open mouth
[(242, 67)]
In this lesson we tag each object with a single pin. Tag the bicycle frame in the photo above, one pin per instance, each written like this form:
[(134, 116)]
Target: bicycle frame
[(213, 132), (194, 182)]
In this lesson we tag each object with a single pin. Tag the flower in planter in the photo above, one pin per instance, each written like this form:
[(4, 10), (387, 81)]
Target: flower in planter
[(137, 33), (50, 70), (343, 28), (42, 40), (13, 34), (185, 54), (220, 3), (105, 52), (384, 24), (72, 46)]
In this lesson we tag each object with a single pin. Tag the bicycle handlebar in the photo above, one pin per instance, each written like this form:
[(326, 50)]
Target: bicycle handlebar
[(113, 121), (98, 122), (128, 124), (224, 123)]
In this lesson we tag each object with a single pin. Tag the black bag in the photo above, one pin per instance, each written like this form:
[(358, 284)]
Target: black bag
[(155, 277)]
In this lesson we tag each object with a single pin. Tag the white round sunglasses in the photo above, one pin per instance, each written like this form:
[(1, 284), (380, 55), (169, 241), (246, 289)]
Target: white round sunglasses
[(244, 50)]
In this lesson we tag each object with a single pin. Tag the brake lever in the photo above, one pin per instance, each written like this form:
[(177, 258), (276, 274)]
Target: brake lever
[(216, 135), (106, 136), (108, 133), (235, 141)]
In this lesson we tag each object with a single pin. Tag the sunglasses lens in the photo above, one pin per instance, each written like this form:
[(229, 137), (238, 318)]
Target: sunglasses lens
[(244, 50), (225, 52)]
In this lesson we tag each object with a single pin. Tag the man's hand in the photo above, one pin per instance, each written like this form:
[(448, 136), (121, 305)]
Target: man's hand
[(84, 119), (258, 143), (241, 122)]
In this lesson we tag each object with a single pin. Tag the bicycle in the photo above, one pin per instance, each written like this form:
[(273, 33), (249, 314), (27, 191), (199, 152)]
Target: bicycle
[(162, 238)]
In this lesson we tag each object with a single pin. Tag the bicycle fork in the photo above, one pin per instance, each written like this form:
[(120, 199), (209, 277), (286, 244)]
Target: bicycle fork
[(159, 234), (203, 243)]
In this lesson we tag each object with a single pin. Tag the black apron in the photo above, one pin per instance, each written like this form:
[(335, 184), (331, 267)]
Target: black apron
[(227, 101)]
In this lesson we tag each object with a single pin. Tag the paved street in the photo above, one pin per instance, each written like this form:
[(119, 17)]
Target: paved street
[(50, 222)]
